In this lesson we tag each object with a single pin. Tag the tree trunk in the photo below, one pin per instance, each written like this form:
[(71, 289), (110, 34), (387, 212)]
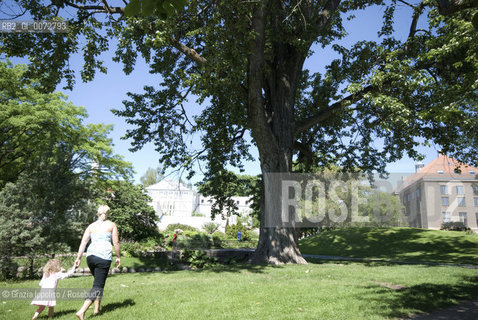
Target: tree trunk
[(271, 119), (277, 243)]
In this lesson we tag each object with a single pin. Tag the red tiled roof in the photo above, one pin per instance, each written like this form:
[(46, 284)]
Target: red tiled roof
[(443, 167)]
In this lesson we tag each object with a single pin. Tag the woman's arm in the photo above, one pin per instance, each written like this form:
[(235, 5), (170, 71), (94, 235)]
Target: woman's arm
[(84, 242), (116, 245)]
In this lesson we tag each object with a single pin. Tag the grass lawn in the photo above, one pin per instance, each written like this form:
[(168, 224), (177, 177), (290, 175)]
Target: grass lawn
[(349, 290), (405, 244), (313, 291)]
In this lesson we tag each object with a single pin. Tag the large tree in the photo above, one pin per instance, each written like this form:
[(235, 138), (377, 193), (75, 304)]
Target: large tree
[(244, 61), (131, 211), (52, 167), (37, 126), (151, 176)]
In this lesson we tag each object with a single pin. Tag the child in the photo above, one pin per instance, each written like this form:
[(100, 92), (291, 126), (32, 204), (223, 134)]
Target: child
[(51, 274)]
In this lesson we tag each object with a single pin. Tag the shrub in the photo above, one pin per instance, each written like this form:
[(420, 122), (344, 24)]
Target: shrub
[(210, 227), (183, 227), (454, 226), (233, 229), (131, 249), (218, 239), (195, 239), (152, 243), (198, 259)]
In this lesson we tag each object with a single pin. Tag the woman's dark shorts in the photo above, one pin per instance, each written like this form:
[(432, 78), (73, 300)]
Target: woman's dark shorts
[(99, 269)]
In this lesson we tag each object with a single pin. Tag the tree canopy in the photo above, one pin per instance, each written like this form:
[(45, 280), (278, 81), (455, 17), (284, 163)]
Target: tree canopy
[(35, 124), (52, 169), (131, 211), (244, 63), (151, 176)]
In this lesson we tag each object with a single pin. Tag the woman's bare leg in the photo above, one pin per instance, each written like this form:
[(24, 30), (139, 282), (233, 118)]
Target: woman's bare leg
[(81, 313), (97, 306)]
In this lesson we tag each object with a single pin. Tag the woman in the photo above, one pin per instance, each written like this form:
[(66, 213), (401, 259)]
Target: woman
[(99, 256)]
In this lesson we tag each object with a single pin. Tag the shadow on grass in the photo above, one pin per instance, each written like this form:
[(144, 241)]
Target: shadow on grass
[(385, 263), (229, 268), (395, 244), (59, 313), (423, 297), (117, 305)]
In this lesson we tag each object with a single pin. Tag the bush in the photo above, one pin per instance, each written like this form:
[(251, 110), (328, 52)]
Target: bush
[(195, 239), (218, 239), (233, 229), (183, 227), (454, 226), (135, 248), (198, 259), (131, 249), (210, 227), (152, 243)]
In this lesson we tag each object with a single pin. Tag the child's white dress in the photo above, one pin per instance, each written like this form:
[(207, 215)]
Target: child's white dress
[(46, 296)]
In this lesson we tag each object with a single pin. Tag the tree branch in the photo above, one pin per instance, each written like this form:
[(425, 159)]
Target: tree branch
[(326, 13), (326, 113), (416, 14), (261, 130), (406, 3), (189, 52), (105, 9), (303, 149)]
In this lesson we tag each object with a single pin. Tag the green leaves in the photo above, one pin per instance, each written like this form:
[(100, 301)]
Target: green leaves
[(475, 21), (130, 210), (36, 126), (159, 8)]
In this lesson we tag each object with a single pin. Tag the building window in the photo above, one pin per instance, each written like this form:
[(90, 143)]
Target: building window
[(418, 193), (461, 201), (475, 201), (463, 218), (446, 216), (472, 172), (440, 172), (475, 190), (444, 201), (460, 190), (443, 189)]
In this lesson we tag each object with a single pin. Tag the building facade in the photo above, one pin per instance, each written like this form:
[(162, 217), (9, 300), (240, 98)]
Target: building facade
[(174, 203), (442, 191)]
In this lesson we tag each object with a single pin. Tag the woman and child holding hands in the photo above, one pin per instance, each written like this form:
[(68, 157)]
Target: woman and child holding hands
[(99, 257)]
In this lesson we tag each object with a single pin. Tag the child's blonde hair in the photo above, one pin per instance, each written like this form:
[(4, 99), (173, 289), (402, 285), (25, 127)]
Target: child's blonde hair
[(52, 266)]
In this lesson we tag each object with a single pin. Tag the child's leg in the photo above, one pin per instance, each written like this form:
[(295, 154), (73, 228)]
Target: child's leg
[(37, 313), (50, 312)]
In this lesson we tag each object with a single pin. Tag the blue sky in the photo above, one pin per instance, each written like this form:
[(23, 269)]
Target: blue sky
[(107, 92)]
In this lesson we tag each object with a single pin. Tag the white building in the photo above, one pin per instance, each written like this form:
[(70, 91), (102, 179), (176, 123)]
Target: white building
[(171, 198), (176, 203)]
